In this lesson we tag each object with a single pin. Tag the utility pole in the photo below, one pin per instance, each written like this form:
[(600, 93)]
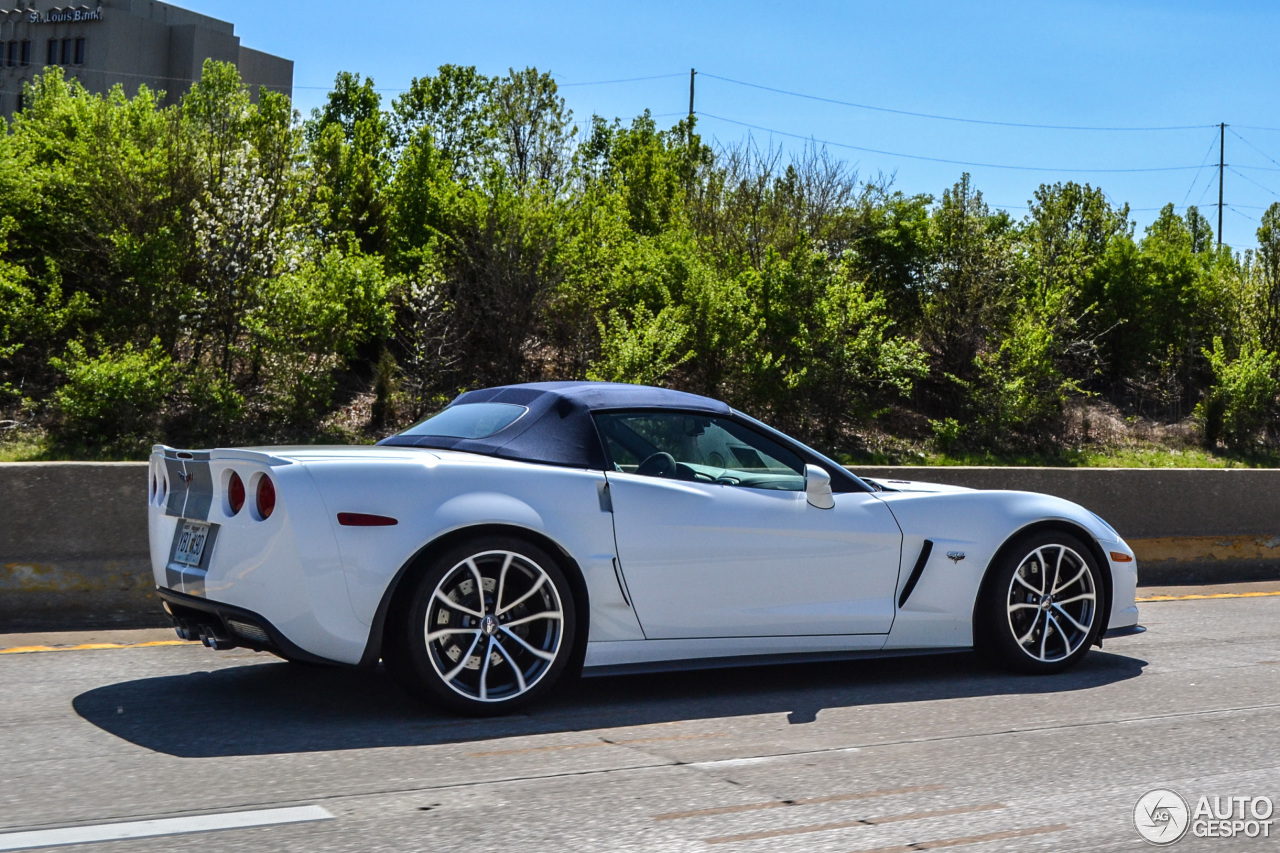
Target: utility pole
[(692, 73), (1222, 144)]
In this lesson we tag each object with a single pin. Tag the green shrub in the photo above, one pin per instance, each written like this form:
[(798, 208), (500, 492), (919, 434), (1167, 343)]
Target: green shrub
[(1242, 400), (644, 349), (213, 408), (311, 323), (1019, 393), (112, 401), (946, 433)]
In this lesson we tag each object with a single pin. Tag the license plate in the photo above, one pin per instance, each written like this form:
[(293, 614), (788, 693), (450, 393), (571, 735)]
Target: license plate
[(191, 541)]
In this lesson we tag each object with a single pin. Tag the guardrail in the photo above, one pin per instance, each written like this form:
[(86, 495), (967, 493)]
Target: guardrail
[(73, 535)]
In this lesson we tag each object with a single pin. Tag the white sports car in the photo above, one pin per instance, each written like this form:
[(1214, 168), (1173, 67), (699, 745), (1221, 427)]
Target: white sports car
[(532, 529)]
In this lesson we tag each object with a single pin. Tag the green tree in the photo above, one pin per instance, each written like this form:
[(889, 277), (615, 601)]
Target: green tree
[(973, 285), (311, 322), (349, 144), (532, 129), (453, 109)]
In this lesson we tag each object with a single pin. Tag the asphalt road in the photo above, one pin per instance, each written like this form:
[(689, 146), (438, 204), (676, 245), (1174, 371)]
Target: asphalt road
[(909, 754)]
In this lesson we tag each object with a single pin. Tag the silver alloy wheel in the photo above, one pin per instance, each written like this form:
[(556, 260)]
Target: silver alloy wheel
[(1052, 603), (494, 626)]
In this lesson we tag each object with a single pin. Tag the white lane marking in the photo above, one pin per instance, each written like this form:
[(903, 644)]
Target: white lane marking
[(161, 826), (741, 762)]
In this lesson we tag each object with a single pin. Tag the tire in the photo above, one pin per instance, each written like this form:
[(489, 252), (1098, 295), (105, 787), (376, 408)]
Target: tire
[(488, 653), (1039, 609)]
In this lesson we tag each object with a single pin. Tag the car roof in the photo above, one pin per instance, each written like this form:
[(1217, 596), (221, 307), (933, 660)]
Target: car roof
[(597, 396), (558, 429)]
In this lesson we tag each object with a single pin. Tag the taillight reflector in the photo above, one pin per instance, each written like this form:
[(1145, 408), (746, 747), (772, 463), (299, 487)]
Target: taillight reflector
[(235, 493), (266, 497), (363, 519)]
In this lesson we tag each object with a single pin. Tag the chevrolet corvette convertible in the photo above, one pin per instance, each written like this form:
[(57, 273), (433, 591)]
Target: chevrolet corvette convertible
[(532, 530)]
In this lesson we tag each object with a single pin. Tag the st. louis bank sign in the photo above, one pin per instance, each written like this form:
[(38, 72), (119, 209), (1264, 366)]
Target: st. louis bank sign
[(66, 16)]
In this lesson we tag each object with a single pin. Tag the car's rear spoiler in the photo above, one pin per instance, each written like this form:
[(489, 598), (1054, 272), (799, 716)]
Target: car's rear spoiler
[(262, 457)]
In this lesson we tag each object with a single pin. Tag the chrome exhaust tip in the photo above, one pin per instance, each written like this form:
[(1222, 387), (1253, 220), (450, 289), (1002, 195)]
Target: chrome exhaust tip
[(218, 642)]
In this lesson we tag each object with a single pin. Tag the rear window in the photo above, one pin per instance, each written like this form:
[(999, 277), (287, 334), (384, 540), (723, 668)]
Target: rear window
[(471, 420)]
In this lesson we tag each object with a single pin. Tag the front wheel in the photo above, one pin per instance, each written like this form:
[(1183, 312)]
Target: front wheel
[(1039, 611), (489, 627)]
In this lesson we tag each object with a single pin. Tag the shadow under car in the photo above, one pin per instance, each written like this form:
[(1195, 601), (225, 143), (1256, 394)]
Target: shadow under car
[(275, 707)]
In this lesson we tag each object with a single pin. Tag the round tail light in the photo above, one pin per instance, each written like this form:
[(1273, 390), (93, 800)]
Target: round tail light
[(266, 497), (235, 493)]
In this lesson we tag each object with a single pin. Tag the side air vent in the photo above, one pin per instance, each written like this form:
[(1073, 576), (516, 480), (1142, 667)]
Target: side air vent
[(916, 571)]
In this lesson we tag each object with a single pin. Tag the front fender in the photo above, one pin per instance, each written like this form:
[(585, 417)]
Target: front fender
[(971, 527)]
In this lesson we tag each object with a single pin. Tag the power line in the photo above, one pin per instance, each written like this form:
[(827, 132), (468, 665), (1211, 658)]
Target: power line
[(942, 117), (1207, 186), (1245, 215), (1196, 179), (75, 70), (1131, 210), (1255, 148), (377, 89), (622, 80), (1255, 183), (942, 159)]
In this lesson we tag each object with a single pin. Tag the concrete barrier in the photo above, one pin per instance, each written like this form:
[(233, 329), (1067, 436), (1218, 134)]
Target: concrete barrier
[(73, 535), (73, 546)]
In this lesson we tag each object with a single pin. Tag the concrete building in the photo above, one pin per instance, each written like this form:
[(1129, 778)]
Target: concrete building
[(130, 42)]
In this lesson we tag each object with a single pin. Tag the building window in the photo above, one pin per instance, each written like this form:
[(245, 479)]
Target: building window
[(66, 51), (52, 57), (79, 51), (26, 52), (13, 53)]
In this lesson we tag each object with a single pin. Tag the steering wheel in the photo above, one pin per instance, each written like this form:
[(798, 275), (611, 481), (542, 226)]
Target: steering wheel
[(660, 464)]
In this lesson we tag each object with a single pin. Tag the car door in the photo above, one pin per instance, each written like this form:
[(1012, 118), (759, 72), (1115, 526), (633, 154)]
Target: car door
[(716, 538)]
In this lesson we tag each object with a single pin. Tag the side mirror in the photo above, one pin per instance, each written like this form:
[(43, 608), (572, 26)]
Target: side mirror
[(817, 487)]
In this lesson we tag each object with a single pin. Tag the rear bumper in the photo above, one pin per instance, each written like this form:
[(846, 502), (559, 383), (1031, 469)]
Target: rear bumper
[(225, 626)]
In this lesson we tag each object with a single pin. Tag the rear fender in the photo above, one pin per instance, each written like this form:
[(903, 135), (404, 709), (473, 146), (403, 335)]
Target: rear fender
[(285, 567)]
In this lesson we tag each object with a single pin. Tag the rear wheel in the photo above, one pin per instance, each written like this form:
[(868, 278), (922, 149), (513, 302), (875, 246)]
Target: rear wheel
[(1039, 612), (489, 627)]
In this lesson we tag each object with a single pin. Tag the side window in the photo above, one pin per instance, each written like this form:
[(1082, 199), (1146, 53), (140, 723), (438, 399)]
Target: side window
[(698, 448)]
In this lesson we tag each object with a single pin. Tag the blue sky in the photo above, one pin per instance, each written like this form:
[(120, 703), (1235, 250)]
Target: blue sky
[(1123, 63)]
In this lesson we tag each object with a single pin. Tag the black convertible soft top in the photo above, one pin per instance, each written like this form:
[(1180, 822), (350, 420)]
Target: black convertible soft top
[(558, 429)]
